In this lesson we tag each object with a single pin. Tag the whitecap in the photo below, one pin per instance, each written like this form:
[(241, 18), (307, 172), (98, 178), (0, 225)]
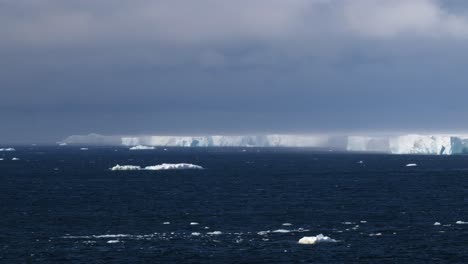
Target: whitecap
[(84, 149), (195, 234), (15, 159), (411, 165), (166, 223), (287, 224), (437, 224), (194, 223), (461, 223), (316, 239), (113, 241), (376, 234)]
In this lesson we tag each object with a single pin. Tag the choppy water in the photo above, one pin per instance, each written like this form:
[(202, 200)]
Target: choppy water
[(63, 204)]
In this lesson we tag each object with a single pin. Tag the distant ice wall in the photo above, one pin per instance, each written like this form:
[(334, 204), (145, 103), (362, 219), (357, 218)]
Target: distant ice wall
[(399, 144)]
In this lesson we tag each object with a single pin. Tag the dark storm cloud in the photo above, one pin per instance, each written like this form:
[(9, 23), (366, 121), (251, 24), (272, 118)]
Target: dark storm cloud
[(210, 66)]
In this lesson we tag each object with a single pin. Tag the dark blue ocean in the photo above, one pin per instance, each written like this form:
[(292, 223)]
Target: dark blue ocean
[(64, 205)]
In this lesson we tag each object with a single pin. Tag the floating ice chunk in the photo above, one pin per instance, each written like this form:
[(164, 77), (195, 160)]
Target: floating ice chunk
[(411, 165), (177, 166), (461, 223), (214, 233), (164, 166), (195, 234), (113, 241), (83, 148), (15, 159), (125, 167), (287, 224), (281, 231), (316, 239), (141, 147), (437, 224), (7, 149), (194, 223), (112, 236)]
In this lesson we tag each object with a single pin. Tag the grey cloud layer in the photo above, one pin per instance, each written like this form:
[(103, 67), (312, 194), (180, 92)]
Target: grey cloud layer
[(219, 66), (179, 22)]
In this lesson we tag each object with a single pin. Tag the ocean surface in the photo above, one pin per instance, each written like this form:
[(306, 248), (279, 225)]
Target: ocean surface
[(64, 205)]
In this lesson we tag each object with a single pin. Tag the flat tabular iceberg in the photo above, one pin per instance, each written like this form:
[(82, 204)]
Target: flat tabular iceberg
[(164, 166)]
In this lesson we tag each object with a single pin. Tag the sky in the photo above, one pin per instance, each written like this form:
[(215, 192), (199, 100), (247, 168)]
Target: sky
[(181, 67)]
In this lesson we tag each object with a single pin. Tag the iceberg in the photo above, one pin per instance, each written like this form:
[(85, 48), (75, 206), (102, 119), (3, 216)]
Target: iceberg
[(7, 149), (141, 147), (438, 144), (164, 166), (316, 239)]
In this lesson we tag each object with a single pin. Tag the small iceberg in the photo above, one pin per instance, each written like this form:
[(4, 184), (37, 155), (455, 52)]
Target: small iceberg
[(7, 149), (141, 147), (411, 165), (215, 233), (125, 167), (164, 166), (316, 239)]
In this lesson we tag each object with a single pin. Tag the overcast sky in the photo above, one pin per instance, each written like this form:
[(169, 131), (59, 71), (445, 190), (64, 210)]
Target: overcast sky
[(231, 67)]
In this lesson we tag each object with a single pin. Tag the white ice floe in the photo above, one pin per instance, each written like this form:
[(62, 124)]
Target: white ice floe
[(113, 241), (164, 166), (411, 165), (316, 239), (437, 224), (141, 147), (461, 223), (15, 159), (125, 167), (7, 149), (281, 231), (194, 223), (214, 233)]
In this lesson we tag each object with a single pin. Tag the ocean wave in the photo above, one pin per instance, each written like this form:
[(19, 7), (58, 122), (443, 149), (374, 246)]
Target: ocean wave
[(164, 166)]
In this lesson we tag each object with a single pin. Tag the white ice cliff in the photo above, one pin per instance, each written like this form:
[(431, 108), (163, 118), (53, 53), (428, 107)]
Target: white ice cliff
[(394, 144)]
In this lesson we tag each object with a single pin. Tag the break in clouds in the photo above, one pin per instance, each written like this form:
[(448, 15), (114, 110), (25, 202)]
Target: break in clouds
[(273, 66)]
